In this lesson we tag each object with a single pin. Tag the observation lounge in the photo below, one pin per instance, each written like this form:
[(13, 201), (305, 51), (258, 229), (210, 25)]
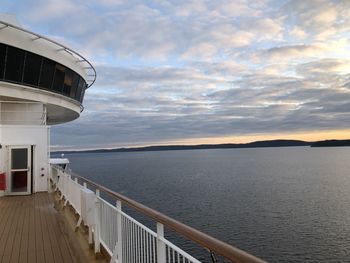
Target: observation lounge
[(35, 68), (26, 68)]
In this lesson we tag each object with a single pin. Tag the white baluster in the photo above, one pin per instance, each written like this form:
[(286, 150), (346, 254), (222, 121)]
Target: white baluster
[(119, 231), (161, 253), (97, 223), (118, 249)]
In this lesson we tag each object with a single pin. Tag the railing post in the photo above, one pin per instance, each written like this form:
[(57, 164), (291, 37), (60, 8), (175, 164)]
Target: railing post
[(161, 252), (68, 190), (80, 214), (97, 223), (118, 249), (90, 227), (62, 184), (119, 231), (55, 170)]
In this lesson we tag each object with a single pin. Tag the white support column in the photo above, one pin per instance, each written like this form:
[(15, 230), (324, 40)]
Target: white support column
[(161, 253), (97, 223)]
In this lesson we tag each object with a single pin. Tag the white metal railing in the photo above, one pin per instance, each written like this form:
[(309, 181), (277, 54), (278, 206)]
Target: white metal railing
[(124, 238)]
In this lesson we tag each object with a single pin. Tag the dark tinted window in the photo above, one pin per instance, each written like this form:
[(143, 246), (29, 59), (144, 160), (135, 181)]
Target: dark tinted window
[(2, 60), (14, 64), (79, 89), (59, 78), (47, 71), (24, 67), (82, 91), (68, 81), (32, 69), (75, 84)]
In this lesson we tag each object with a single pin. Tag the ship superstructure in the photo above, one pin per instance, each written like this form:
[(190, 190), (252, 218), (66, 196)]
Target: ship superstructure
[(42, 83)]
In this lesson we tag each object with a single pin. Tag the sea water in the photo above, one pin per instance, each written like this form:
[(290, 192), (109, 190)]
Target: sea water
[(287, 204)]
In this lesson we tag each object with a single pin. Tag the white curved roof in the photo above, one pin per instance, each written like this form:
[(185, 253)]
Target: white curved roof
[(16, 36)]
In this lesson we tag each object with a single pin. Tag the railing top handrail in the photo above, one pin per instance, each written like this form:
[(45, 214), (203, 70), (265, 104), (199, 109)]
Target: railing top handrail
[(219, 247)]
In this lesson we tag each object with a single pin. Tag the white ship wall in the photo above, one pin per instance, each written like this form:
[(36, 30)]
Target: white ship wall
[(36, 136), (22, 113)]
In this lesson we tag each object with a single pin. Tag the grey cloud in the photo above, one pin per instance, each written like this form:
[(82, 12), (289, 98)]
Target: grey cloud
[(319, 18), (157, 30), (254, 103), (171, 70), (327, 66)]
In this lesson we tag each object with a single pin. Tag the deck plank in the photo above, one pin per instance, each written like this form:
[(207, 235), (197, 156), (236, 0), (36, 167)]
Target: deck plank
[(33, 231), (44, 210), (31, 234), (7, 227), (5, 212), (23, 250), (15, 238), (57, 257), (8, 238), (62, 239), (39, 243)]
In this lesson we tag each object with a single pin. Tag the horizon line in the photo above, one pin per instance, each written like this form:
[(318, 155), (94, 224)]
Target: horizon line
[(190, 145)]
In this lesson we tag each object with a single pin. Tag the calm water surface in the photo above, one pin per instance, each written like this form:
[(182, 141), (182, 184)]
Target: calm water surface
[(281, 204)]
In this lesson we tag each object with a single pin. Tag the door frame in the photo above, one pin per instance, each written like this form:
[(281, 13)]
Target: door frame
[(28, 169)]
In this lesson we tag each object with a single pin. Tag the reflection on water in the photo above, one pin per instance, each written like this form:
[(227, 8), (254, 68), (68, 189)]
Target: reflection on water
[(281, 204)]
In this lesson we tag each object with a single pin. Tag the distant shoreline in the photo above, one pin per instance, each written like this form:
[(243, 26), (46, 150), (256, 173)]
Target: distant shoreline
[(257, 144)]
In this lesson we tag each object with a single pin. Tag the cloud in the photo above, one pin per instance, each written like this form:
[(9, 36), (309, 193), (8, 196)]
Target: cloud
[(298, 33), (325, 66), (181, 70), (291, 52), (156, 30), (144, 111), (321, 19)]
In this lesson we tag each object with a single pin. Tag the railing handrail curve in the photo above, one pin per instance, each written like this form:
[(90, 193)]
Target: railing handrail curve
[(219, 247)]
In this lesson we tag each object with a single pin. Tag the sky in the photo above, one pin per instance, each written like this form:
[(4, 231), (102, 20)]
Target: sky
[(198, 71)]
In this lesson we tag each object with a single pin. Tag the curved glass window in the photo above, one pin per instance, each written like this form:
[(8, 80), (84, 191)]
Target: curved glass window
[(14, 64), (2, 60), (26, 68), (32, 68)]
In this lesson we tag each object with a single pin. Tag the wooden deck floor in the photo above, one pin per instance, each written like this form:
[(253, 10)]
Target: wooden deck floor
[(32, 230)]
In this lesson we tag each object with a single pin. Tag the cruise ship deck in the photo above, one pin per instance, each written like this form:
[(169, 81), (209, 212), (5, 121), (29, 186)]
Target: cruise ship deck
[(34, 228)]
